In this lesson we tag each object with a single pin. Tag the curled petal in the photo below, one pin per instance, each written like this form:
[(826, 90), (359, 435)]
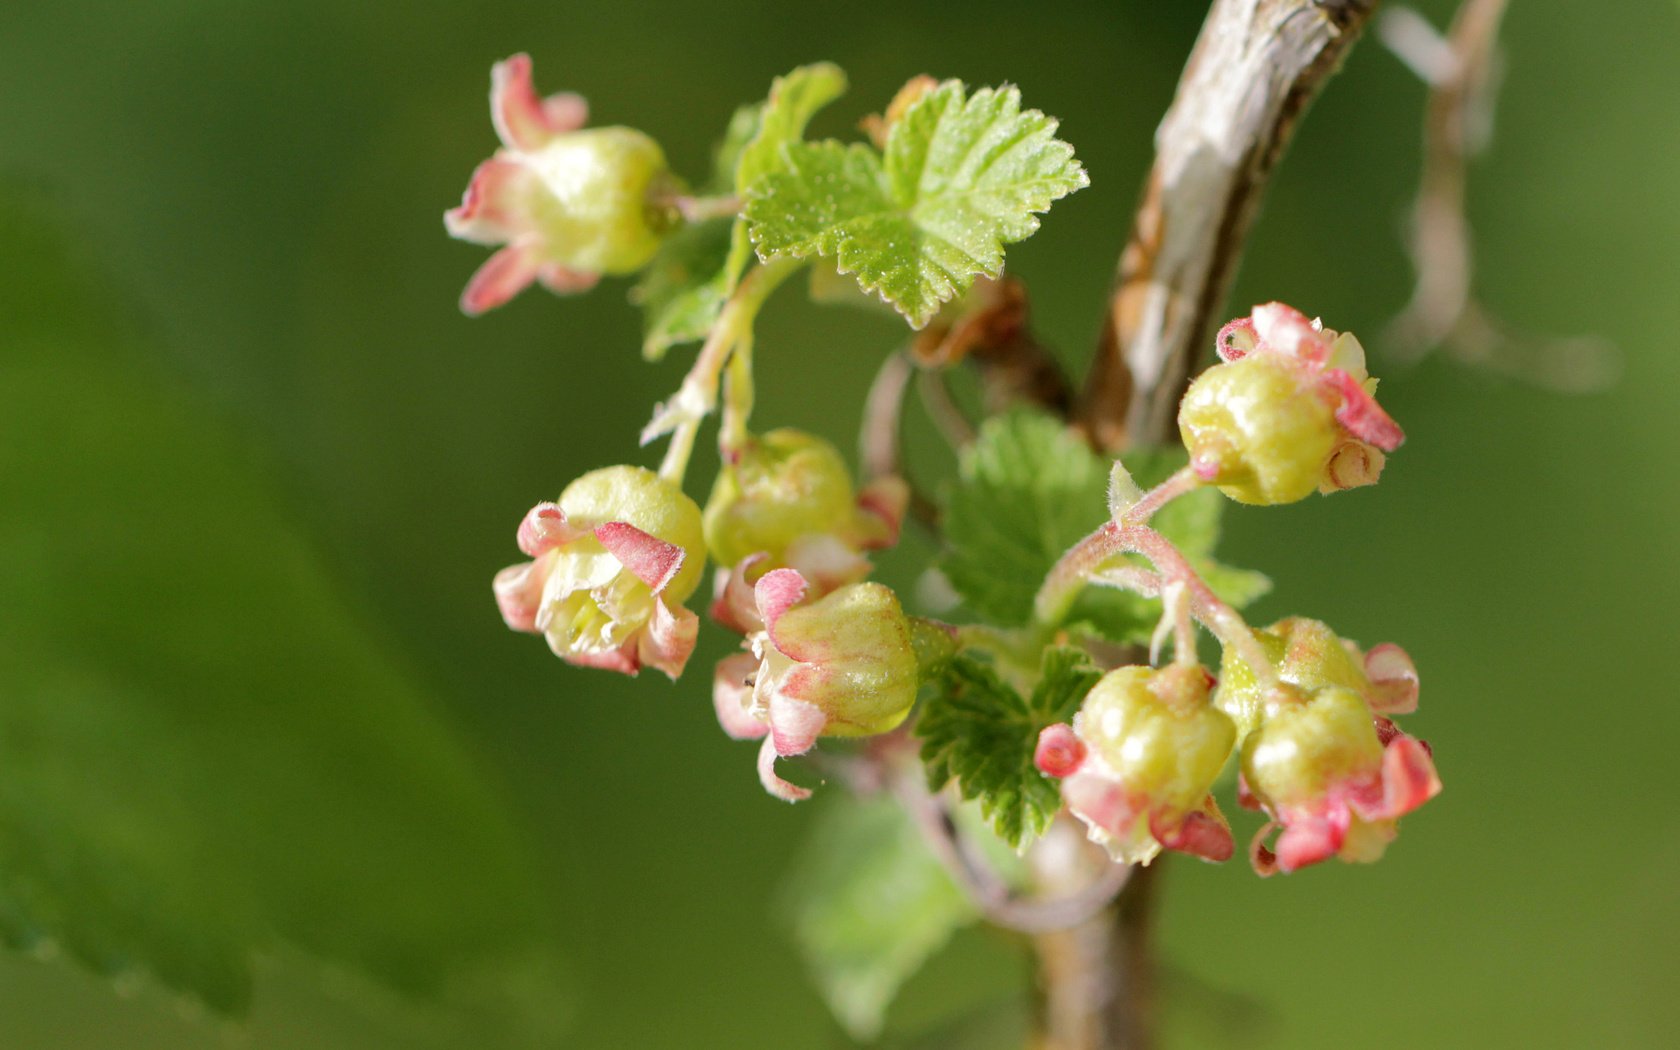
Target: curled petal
[(519, 595), (503, 276), (1235, 339), (773, 783), (668, 639), (731, 695), (649, 558), (1098, 801), (1060, 751), (544, 528), (1394, 680), (494, 209), (776, 592), (1260, 856), (524, 120), (1360, 413)]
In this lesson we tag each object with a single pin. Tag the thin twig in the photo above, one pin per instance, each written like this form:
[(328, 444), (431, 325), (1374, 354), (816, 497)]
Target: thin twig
[(943, 409), (985, 887), (880, 438), (1256, 66), (1444, 312)]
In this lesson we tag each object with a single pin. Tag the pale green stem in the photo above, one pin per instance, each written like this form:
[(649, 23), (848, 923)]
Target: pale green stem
[(1071, 574), (697, 396), (1182, 481)]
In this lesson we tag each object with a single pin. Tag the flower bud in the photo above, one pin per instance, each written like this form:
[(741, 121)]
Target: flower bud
[(786, 501), (611, 568), (1320, 768), (569, 204), (841, 665), (1140, 760), (1289, 411)]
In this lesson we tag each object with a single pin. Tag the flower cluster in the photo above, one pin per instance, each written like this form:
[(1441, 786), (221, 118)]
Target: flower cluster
[(1318, 753)]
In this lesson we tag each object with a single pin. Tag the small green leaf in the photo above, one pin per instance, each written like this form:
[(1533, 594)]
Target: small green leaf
[(685, 287), (960, 177), (978, 730), (794, 100), (1028, 489), (869, 904)]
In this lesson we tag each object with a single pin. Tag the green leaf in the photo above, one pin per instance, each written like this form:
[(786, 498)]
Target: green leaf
[(977, 729), (685, 287), (869, 905), (1028, 489), (206, 756), (794, 100), (960, 177)]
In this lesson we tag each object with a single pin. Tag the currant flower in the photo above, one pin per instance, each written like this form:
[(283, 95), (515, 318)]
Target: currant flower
[(1308, 655), (613, 561), (786, 501), (842, 665), (569, 205), (1290, 410), (1139, 761), (1335, 780)]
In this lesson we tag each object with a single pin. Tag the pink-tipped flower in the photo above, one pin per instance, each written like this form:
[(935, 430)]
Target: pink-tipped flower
[(567, 205), (1309, 656), (1289, 411), (1335, 781), (613, 561), (840, 665), (785, 500), (1139, 761)]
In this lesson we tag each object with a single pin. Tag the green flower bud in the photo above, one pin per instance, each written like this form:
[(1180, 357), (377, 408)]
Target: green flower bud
[(784, 485), (1256, 428)]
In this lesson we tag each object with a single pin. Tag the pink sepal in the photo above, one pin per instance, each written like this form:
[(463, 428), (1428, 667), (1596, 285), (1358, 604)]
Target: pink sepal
[(1236, 339), (1311, 839), (776, 592), (649, 558), (886, 498), (1098, 801), (1286, 330), (1202, 833), (1060, 752), (623, 659), (733, 603), (773, 783), (493, 210), (563, 280), (544, 528), (519, 595), (503, 276), (1360, 413), (1408, 781), (1394, 680), (523, 119), (731, 694), (667, 641), (794, 724)]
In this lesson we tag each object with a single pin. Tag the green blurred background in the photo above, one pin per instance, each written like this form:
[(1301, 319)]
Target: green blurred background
[(257, 472)]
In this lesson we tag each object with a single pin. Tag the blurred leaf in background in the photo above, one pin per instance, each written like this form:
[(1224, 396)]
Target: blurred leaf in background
[(205, 755)]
